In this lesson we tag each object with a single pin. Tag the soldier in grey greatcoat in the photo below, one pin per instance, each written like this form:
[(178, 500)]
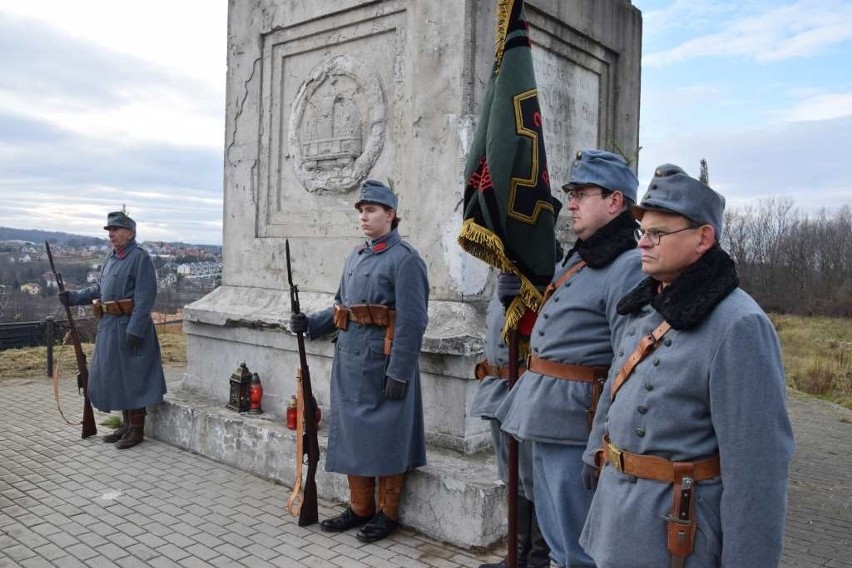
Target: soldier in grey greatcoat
[(571, 346), (126, 371), (376, 426), (692, 429), (493, 387)]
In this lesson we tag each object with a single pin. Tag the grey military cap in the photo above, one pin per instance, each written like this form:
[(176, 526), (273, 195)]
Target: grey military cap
[(121, 220), (673, 191), (603, 169), (373, 191)]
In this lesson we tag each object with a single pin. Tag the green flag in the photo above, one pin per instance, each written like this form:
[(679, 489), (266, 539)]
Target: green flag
[(509, 213)]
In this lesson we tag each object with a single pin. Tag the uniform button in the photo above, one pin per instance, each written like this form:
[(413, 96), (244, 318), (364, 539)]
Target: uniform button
[(535, 349), (640, 432), (649, 387), (668, 341), (632, 332), (501, 344), (545, 316), (555, 298), (656, 361), (567, 284), (620, 352), (540, 333), (641, 409), (606, 418)]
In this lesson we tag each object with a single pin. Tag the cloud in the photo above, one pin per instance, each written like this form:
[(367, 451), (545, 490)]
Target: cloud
[(779, 160), (821, 106), (79, 86), (84, 129), (799, 29)]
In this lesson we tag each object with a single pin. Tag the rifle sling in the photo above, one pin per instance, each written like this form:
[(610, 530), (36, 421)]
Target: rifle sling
[(294, 503)]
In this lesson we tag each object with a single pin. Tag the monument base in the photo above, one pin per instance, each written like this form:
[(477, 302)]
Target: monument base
[(456, 498)]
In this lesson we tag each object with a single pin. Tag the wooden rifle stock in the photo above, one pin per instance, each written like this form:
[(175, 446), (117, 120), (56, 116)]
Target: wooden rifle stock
[(309, 510), (89, 428)]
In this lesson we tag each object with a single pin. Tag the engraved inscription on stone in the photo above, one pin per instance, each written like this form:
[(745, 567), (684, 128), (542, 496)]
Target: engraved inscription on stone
[(337, 126)]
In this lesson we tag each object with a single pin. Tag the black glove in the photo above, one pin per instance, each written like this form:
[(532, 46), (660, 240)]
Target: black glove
[(394, 389), (590, 476), (133, 341), (299, 323), (64, 298), (508, 287)]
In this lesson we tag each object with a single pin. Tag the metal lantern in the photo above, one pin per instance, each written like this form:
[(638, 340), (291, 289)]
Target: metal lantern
[(240, 399)]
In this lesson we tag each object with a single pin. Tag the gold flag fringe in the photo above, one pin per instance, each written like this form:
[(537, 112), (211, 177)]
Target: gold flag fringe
[(486, 246), (504, 11)]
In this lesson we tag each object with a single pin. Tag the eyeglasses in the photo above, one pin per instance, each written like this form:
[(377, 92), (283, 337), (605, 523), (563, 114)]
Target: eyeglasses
[(580, 195), (655, 235)]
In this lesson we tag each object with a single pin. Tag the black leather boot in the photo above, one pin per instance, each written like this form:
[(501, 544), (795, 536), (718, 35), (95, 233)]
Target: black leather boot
[(135, 431), (526, 517), (378, 528), (119, 432), (539, 554), (343, 522)]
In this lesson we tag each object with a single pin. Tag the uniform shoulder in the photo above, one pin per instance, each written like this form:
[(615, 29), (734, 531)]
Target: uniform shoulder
[(408, 248)]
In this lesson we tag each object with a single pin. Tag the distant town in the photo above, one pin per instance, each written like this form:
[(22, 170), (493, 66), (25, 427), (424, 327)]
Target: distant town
[(185, 272)]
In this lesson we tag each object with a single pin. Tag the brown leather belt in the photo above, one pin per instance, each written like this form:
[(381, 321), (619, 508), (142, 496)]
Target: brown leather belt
[(113, 308), (655, 467), (580, 373), (485, 369), (367, 314)]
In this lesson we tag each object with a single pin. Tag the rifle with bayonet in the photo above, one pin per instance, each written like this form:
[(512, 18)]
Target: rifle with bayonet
[(89, 428), (307, 443)]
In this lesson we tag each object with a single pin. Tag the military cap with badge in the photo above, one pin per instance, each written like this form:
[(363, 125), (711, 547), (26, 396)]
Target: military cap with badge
[(119, 220), (672, 190), (373, 191), (603, 169)]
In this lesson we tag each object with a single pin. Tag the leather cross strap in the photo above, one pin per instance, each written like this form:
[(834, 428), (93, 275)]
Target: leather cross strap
[(656, 468), (485, 369), (646, 347), (551, 288)]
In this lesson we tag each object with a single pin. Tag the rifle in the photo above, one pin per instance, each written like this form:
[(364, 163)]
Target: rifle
[(308, 445), (89, 428)]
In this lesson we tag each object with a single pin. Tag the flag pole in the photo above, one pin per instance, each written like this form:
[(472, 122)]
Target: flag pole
[(512, 504)]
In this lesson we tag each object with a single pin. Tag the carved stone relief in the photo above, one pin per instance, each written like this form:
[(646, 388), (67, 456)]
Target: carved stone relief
[(337, 126)]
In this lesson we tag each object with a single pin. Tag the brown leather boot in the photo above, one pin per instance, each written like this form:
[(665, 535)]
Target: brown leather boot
[(362, 505), (119, 432), (385, 521), (135, 432)]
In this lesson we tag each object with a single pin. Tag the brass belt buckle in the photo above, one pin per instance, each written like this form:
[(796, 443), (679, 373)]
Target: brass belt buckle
[(614, 457)]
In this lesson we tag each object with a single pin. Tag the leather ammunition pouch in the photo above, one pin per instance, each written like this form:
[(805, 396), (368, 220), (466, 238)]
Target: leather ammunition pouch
[(681, 525), (367, 314), (596, 375), (123, 307), (485, 369)]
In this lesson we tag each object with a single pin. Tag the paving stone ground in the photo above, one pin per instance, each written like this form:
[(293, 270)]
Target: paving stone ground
[(70, 502)]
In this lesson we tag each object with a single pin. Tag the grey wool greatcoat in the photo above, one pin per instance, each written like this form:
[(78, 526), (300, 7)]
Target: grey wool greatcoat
[(577, 326), (368, 435), (715, 385), (491, 392), (121, 377)]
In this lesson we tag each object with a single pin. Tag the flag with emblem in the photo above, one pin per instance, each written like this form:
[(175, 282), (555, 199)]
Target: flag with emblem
[(509, 213)]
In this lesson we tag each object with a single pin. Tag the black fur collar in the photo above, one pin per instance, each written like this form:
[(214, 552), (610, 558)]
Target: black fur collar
[(688, 300), (608, 242)]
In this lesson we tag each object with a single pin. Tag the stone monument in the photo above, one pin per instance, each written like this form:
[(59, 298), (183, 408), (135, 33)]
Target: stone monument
[(321, 96)]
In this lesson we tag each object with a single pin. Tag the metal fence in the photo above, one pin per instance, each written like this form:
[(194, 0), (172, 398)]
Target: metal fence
[(48, 332)]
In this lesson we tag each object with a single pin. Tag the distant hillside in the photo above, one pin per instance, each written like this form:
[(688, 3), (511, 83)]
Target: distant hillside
[(36, 236)]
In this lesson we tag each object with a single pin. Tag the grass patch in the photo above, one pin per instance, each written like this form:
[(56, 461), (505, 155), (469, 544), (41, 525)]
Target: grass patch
[(31, 362), (817, 354)]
